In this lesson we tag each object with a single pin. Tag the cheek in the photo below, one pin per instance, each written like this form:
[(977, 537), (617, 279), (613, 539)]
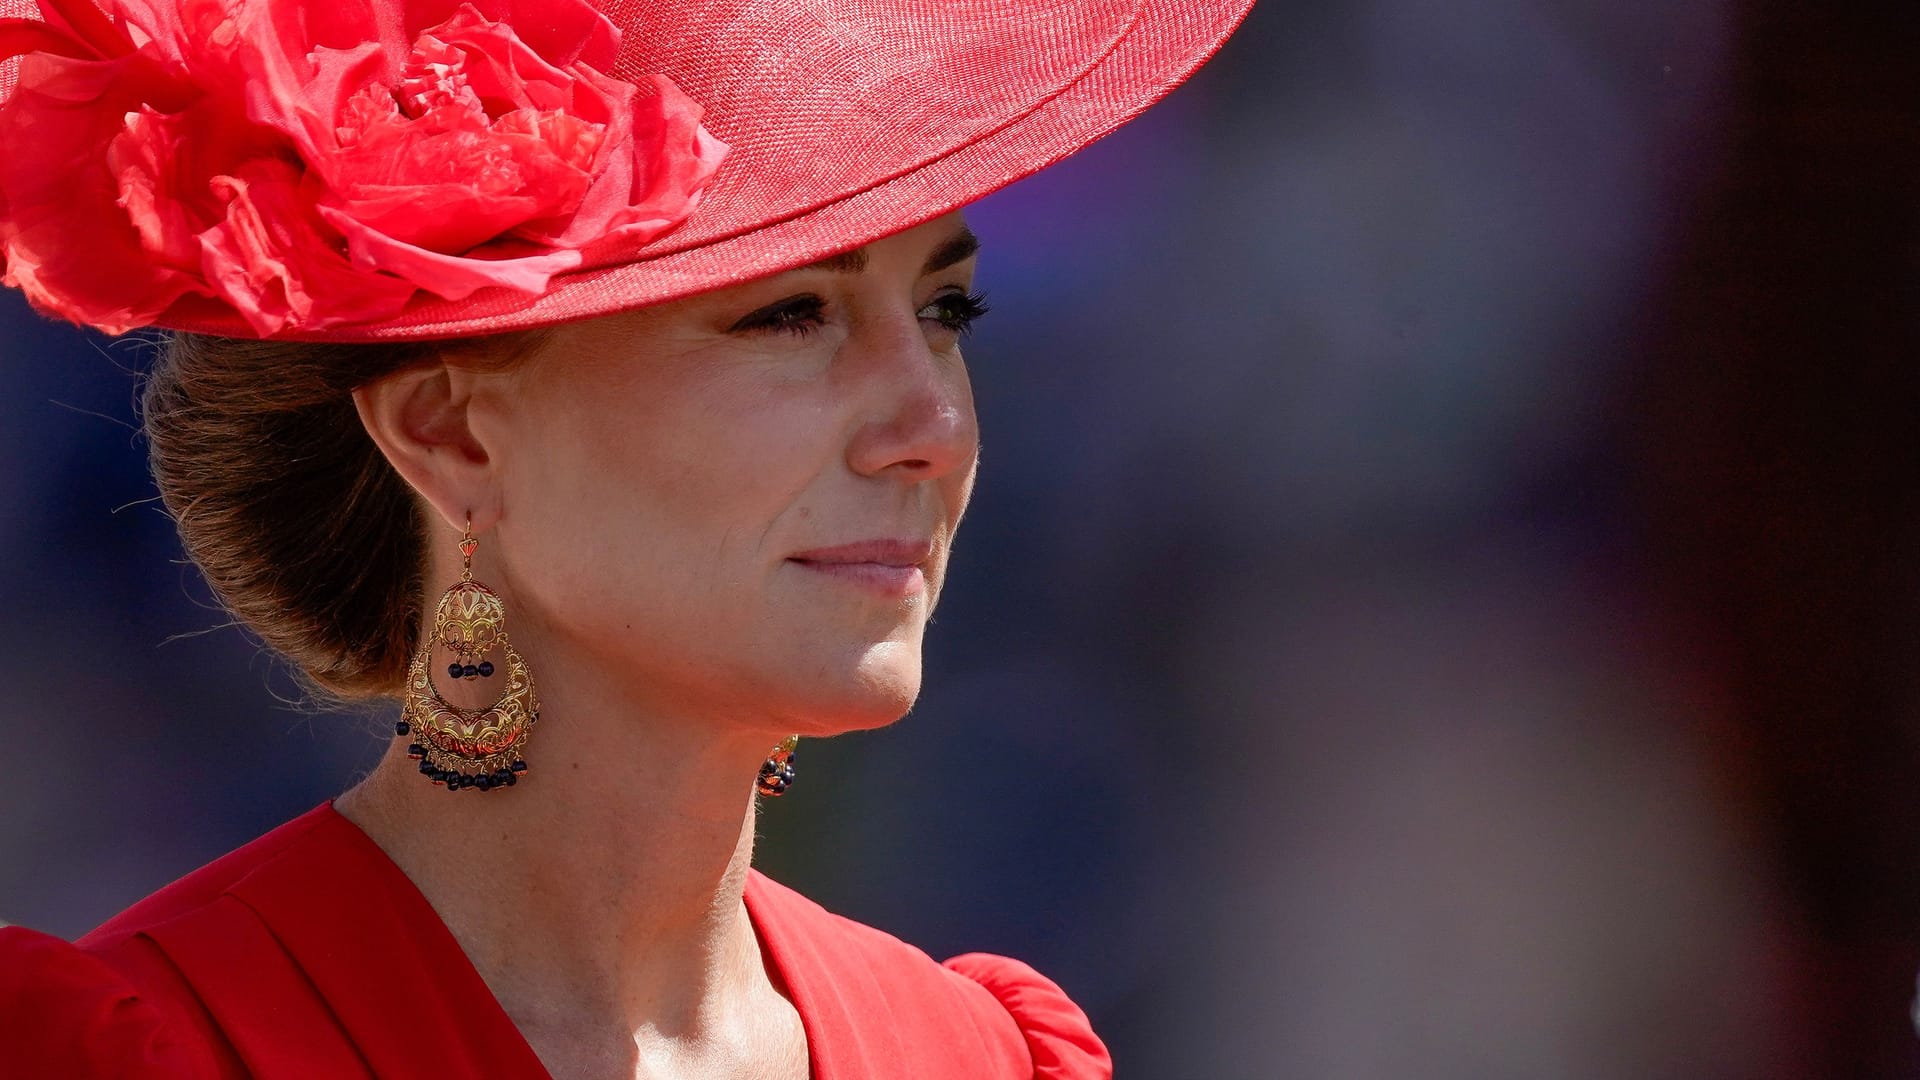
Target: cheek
[(650, 504), (956, 489), (648, 522)]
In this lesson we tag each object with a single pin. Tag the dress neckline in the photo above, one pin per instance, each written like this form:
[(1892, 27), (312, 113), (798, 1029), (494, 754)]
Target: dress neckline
[(425, 973)]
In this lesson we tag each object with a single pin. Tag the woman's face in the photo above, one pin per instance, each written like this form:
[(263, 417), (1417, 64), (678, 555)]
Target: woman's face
[(741, 504)]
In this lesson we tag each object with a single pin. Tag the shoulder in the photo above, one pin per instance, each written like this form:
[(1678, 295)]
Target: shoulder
[(1017, 1016), (1057, 1031), (74, 1013), (200, 891), (118, 1002)]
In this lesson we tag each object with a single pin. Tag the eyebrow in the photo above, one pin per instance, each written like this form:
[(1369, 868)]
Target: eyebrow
[(962, 246)]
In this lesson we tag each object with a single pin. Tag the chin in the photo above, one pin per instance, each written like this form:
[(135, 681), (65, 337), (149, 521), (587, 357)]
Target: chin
[(871, 693)]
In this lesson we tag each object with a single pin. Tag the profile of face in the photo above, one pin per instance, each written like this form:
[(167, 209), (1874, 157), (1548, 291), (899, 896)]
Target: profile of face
[(741, 503)]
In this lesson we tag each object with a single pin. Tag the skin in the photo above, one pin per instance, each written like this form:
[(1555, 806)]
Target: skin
[(639, 486)]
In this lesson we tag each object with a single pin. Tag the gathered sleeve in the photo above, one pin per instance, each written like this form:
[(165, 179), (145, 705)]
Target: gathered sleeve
[(1058, 1033), (67, 1013)]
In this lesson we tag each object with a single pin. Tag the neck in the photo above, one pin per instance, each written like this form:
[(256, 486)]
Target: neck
[(601, 895)]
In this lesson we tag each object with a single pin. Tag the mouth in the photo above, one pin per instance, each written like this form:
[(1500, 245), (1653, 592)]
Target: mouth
[(888, 567)]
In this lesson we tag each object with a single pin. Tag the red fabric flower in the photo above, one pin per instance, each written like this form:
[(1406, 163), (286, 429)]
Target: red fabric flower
[(311, 163)]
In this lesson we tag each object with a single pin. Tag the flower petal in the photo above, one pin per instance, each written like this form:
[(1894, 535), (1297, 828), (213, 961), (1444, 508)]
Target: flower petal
[(65, 239), (313, 163), (82, 21), (21, 36), (670, 160), (269, 259), (450, 277)]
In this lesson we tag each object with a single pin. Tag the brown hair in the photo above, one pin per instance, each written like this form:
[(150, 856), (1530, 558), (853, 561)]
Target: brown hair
[(303, 530)]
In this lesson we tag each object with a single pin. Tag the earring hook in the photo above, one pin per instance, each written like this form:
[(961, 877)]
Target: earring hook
[(467, 546)]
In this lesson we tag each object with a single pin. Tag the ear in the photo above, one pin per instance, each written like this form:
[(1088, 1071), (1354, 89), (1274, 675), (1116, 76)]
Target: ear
[(419, 418)]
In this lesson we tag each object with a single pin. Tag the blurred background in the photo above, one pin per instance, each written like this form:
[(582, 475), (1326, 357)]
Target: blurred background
[(1443, 597)]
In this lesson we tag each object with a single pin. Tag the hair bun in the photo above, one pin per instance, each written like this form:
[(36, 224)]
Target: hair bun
[(299, 524)]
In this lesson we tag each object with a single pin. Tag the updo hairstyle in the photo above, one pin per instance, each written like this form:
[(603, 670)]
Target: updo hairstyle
[(297, 521)]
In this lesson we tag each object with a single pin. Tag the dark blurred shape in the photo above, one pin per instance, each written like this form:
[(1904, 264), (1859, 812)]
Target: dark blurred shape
[(1773, 429)]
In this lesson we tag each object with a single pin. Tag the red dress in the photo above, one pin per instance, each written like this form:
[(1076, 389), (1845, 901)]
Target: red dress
[(307, 953)]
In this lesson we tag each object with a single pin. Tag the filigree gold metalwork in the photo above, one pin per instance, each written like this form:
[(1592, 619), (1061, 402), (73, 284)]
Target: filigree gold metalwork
[(471, 741), (459, 747), (468, 620)]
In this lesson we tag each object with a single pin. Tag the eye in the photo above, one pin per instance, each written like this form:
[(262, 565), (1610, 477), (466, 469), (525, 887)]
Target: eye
[(956, 310), (794, 315)]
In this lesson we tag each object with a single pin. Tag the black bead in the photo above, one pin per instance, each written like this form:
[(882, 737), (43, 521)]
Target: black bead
[(416, 751), (484, 782), (469, 671), (512, 778), (426, 767), (402, 728), (519, 766), (486, 669), (453, 671)]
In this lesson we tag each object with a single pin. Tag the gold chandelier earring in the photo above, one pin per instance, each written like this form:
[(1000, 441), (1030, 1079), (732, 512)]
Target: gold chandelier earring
[(469, 748)]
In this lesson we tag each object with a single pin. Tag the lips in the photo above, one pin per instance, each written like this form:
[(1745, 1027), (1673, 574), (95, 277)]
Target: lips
[(888, 567), (880, 552)]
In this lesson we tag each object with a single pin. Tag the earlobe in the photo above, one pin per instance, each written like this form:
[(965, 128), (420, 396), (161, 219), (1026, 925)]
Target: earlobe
[(418, 417)]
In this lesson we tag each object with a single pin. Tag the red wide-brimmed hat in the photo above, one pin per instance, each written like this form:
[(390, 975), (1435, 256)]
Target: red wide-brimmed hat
[(362, 170)]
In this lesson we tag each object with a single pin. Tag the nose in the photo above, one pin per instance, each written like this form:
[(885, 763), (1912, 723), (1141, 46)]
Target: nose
[(918, 421)]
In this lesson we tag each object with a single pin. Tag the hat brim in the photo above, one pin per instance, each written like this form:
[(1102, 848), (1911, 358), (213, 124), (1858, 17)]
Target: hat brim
[(1166, 41)]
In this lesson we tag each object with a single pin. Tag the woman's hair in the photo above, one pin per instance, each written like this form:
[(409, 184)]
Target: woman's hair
[(296, 519)]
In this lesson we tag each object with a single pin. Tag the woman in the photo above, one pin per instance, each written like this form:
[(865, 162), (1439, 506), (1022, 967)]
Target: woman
[(591, 384)]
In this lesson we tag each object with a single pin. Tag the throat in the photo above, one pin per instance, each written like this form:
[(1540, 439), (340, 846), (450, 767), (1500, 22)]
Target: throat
[(610, 926)]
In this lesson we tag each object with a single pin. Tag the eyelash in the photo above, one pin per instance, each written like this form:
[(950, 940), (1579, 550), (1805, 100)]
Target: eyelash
[(801, 315), (960, 310), (794, 315)]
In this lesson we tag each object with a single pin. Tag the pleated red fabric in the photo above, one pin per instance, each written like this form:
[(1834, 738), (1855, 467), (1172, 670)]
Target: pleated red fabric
[(309, 953)]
